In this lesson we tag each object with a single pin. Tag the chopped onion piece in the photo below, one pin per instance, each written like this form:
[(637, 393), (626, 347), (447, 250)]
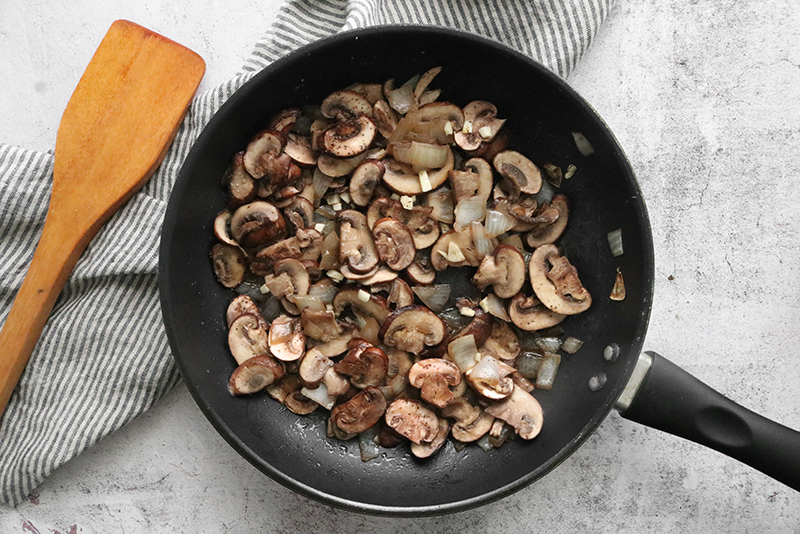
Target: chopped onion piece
[(421, 155), (448, 128), (467, 129), (454, 254), (505, 433), (487, 370), (368, 444), (548, 344), (319, 395), (363, 296), (271, 309), (547, 370), (481, 240), (484, 443), (320, 183), (498, 223), (597, 382), (615, 242), (425, 181), (493, 305), (402, 99), (528, 364), (469, 211), (571, 169), (583, 144), (618, 292), (462, 352), (335, 275), (466, 312), (433, 296), (571, 345)]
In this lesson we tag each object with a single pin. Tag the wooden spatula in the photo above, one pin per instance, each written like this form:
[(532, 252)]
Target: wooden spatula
[(114, 133)]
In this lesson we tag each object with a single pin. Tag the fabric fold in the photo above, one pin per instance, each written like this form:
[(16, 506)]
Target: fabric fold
[(103, 357)]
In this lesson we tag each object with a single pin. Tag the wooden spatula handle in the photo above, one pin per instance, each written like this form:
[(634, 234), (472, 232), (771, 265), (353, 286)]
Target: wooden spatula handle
[(53, 261)]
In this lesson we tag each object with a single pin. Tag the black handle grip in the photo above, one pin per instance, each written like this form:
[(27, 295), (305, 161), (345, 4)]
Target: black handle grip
[(672, 400)]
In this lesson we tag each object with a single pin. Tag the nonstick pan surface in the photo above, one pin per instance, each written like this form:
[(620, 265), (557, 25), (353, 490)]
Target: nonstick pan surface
[(542, 113)]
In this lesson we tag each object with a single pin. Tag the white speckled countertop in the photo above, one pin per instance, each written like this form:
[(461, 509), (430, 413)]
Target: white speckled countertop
[(704, 96)]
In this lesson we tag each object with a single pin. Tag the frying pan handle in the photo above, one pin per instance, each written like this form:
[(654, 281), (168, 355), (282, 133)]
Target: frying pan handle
[(672, 400)]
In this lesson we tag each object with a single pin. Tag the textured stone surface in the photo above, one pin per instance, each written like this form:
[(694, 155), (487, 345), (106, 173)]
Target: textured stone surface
[(704, 96)]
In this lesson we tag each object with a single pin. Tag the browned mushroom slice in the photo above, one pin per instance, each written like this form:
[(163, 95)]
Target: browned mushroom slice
[(285, 120), (337, 167), (286, 339), (229, 263), (412, 419), (382, 275), (431, 122), (412, 329), (361, 412), (280, 389), (474, 182), (479, 327), (401, 178), (306, 244), (350, 137), (254, 375), (461, 410), (299, 213), (421, 271), (365, 179), (298, 403), (240, 186), (529, 314), (400, 295), (313, 366), (385, 118), (356, 246), (320, 325), (520, 410), (373, 92), (520, 175), (344, 105), (469, 432), (338, 345), (480, 124), (548, 231), (263, 149), (365, 365), (239, 306), (222, 227), (442, 204), (257, 223), (504, 270), (455, 249), (247, 338), (502, 343), (298, 147), (434, 378), (427, 449), (394, 243), (489, 379), (555, 281), (370, 304), (336, 383)]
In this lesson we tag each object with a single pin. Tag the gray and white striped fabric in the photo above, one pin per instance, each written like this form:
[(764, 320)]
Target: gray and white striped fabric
[(103, 357)]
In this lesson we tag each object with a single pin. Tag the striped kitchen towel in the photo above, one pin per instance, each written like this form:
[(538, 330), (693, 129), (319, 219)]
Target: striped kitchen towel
[(103, 357)]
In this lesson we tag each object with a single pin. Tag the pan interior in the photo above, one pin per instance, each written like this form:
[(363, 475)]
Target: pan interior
[(542, 113)]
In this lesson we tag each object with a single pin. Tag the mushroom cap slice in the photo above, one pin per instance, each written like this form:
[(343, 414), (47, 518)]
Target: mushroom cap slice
[(361, 412), (502, 343), (247, 338), (412, 419), (548, 232), (356, 246), (520, 174), (345, 104), (257, 223), (520, 410), (529, 314), (365, 364), (412, 328), (455, 249), (240, 305), (255, 374), (265, 146), (374, 306), (555, 281), (484, 125), (364, 181), (350, 137), (337, 167), (240, 186), (320, 325), (474, 182), (421, 271), (489, 379), (313, 367), (229, 264), (298, 403), (394, 243), (298, 147), (504, 270), (427, 449), (286, 339), (433, 377), (469, 432)]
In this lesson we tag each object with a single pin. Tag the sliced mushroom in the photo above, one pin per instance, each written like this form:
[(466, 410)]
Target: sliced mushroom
[(385, 117), (365, 179), (239, 306), (461, 410), (434, 378), (313, 367), (261, 152), (469, 432), (424, 228), (490, 379), (412, 329), (480, 124), (320, 325), (381, 276), (336, 384), (520, 410), (373, 305), (298, 403), (394, 243), (520, 175), (286, 339), (442, 204), (456, 249), (479, 327), (555, 281), (504, 270), (502, 343), (229, 263), (365, 365), (247, 338), (299, 213), (412, 419), (529, 314), (257, 223), (475, 181), (241, 187), (548, 231), (350, 137), (222, 227), (284, 121), (290, 279), (344, 105), (254, 375), (306, 244), (427, 449), (356, 246), (359, 413), (338, 345), (337, 167), (298, 147), (421, 271), (400, 295), (280, 389)]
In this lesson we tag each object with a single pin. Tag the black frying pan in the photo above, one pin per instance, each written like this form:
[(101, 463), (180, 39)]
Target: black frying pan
[(542, 111)]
